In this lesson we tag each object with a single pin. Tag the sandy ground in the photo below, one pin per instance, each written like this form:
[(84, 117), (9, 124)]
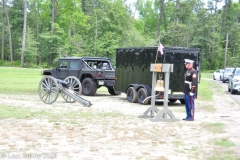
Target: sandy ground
[(111, 129)]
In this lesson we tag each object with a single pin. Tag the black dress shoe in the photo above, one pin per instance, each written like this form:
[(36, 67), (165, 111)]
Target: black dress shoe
[(185, 119)]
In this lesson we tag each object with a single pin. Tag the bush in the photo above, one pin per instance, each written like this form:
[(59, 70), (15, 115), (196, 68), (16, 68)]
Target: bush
[(16, 63)]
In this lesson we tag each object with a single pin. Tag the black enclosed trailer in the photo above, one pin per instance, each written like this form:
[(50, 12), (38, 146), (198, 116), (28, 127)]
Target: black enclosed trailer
[(134, 78)]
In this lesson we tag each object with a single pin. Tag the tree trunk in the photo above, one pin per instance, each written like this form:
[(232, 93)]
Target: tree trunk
[(52, 31), (96, 30), (159, 20), (176, 12), (37, 38), (84, 6), (214, 38), (3, 28), (226, 50), (24, 32), (10, 37)]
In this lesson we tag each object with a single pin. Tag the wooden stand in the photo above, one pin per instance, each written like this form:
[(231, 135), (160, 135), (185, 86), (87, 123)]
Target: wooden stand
[(165, 112)]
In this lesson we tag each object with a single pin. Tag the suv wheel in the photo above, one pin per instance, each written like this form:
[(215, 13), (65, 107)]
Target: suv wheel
[(233, 91), (89, 87), (229, 90)]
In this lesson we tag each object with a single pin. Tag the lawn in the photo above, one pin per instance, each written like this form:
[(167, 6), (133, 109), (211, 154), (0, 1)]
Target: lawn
[(23, 81)]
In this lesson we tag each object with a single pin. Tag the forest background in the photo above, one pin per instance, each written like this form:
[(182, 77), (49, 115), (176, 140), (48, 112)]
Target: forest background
[(35, 33)]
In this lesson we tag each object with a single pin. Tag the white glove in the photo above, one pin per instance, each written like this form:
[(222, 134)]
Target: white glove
[(191, 94)]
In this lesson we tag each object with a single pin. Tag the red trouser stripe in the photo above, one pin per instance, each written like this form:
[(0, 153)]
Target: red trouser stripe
[(192, 107)]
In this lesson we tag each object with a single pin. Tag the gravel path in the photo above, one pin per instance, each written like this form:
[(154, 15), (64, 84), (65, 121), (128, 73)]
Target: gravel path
[(111, 129)]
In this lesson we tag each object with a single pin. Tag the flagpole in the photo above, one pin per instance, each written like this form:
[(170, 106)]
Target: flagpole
[(156, 56)]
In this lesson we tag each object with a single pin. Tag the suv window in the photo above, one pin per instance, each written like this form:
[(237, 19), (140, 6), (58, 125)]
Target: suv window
[(98, 64), (228, 70), (74, 65), (63, 64), (237, 73)]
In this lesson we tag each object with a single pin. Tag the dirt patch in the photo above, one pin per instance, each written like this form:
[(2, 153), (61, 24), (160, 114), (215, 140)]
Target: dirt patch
[(111, 129)]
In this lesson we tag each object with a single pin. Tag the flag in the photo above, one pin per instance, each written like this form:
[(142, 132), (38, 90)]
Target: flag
[(160, 48)]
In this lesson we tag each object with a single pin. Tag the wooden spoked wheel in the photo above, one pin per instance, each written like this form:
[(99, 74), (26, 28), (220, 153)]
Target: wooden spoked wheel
[(48, 89), (75, 85)]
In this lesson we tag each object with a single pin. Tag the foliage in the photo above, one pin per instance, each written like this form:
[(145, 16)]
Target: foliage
[(98, 27)]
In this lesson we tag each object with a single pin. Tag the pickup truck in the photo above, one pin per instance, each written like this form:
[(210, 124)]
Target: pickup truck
[(92, 72)]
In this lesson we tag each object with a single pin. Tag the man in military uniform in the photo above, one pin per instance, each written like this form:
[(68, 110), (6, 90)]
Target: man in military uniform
[(189, 89)]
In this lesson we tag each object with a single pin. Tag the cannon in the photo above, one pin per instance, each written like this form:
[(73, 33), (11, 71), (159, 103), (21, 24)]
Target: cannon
[(70, 88)]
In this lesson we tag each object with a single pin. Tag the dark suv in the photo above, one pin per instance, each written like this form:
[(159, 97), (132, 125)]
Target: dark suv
[(92, 72), (226, 74)]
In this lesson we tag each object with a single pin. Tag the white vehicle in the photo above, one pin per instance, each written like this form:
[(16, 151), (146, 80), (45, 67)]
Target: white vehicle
[(234, 81), (217, 75), (226, 73)]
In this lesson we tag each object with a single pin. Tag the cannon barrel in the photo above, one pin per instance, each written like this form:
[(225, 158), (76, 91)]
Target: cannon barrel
[(64, 83)]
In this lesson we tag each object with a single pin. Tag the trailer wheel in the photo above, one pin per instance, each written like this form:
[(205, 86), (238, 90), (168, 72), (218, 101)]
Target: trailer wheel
[(142, 95), (131, 95), (89, 87), (182, 101)]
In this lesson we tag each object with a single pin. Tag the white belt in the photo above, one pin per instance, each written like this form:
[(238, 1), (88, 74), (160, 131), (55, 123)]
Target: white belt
[(190, 84)]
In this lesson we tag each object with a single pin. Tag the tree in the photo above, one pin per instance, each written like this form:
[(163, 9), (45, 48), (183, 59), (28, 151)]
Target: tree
[(3, 27), (161, 6), (52, 31), (10, 36), (30, 51), (24, 33)]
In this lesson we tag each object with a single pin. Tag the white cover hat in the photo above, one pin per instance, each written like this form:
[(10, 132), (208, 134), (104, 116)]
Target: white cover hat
[(188, 61)]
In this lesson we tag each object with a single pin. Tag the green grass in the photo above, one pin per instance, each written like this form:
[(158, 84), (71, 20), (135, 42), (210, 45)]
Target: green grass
[(224, 155), (225, 152), (214, 127), (22, 113), (206, 75), (19, 80), (224, 143), (19, 112), (208, 108), (102, 90), (204, 90), (24, 81)]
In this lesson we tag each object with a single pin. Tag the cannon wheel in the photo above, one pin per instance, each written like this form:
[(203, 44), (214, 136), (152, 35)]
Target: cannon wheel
[(48, 89), (75, 85)]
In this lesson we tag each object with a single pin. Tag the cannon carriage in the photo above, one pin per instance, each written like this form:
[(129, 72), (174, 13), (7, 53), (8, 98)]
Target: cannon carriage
[(70, 89)]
